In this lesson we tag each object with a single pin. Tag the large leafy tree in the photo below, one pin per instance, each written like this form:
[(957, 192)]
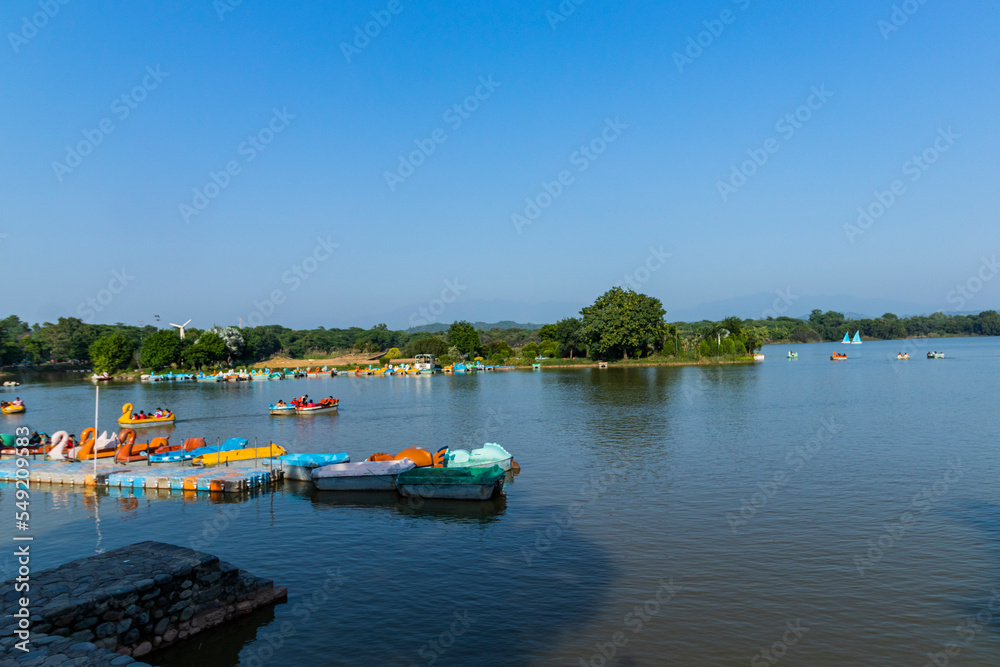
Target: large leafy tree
[(160, 349), (623, 322), (112, 352), (69, 338), (463, 336), (208, 349)]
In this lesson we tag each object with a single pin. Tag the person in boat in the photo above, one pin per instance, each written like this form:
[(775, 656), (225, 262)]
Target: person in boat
[(18, 401), (142, 415), (280, 404)]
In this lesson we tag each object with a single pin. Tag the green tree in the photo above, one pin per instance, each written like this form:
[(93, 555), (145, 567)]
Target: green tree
[(160, 349), (529, 351), (207, 350), (547, 331), (498, 349), (988, 323), (623, 322), (111, 352), (69, 338), (463, 336), (427, 345), (569, 335)]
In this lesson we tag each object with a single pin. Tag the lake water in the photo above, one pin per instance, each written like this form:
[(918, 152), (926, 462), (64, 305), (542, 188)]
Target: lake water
[(687, 516)]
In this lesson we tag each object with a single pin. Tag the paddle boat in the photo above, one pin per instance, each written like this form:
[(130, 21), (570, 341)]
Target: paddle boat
[(935, 355), (301, 466), (11, 383), (837, 357), (903, 355), (311, 408), (186, 452), (12, 407), (364, 476), (486, 456), (129, 419), (758, 356), (281, 408), (426, 363), (38, 444), (244, 453), (452, 483), (130, 451), (793, 355), (103, 377), (418, 455), (63, 448)]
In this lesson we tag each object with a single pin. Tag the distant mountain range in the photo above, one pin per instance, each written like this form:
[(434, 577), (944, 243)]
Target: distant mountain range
[(750, 306)]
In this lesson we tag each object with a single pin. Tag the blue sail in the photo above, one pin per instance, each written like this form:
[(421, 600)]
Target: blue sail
[(857, 338), (847, 338)]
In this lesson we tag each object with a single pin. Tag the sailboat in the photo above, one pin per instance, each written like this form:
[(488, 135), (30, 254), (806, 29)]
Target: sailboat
[(857, 338), (847, 338)]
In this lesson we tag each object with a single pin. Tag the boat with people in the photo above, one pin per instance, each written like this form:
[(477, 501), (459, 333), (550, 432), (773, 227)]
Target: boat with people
[(306, 406), (452, 483), (12, 407), (66, 448), (281, 408), (301, 466), (38, 444), (935, 355), (137, 420), (903, 355), (793, 355), (490, 454), (11, 383), (363, 476), (837, 356)]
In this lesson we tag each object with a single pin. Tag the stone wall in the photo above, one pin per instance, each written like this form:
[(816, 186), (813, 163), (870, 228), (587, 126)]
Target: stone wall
[(128, 602)]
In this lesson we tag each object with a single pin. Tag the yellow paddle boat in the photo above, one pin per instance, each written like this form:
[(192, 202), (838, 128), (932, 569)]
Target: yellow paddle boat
[(244, 454), (132, 421)]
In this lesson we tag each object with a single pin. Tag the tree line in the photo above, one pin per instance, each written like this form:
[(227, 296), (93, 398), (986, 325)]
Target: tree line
[(620, 324)]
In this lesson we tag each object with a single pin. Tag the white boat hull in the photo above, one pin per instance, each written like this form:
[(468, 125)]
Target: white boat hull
[(363, 476)]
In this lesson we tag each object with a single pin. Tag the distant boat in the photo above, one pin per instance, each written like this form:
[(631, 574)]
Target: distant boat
[(935, 355), (793, 355), (847, 338), (857, 338), (837, 356), (903, 355)]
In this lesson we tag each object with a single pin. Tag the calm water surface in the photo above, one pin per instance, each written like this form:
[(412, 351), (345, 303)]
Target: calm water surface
[(690, 514)]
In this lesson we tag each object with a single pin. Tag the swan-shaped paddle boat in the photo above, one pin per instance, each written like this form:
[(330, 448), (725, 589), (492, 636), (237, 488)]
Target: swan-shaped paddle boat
[(127, 420)]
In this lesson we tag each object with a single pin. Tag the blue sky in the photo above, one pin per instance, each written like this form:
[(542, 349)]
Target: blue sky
[(308, 215)]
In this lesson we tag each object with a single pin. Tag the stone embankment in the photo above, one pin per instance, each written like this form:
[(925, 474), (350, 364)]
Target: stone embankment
[(115, 607)]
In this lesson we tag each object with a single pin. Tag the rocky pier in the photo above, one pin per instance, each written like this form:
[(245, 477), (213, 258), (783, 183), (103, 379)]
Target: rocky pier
[(116, 607)]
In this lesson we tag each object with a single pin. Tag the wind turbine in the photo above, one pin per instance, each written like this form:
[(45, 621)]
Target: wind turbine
[(181, 327)]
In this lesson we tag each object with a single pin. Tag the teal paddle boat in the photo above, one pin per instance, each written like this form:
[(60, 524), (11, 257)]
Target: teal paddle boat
[(452, 483)]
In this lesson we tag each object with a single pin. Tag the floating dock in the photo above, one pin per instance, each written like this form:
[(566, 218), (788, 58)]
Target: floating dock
[(216, 479)]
